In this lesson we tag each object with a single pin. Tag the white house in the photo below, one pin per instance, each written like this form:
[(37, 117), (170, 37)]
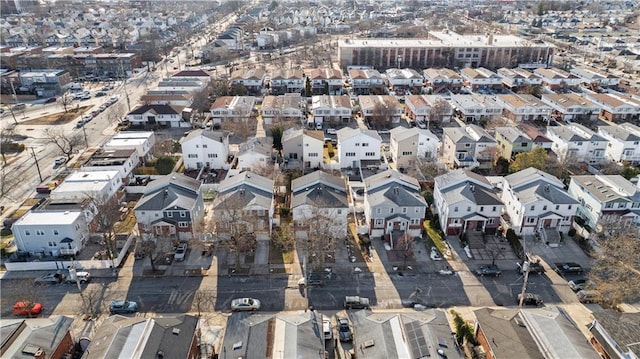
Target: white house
[(51, 233), (616, 107), (356, 145), (330, 109), (81, 185), (523, 107), (537, 202), (624, 142), (571, 107), (480, 77), (256, 151), (232, 109), (202, 148), (286, 81), (158, 115), (404, 79), (387, 106), (441, 79), (475, 107), (286, 107), (325, 80), (471, 146), (303, 147), (594, 77), (366, 81), (577, 143), (407, 145), (141, 141), (122, 160), (393, 203), (251, 79), (322, 198)]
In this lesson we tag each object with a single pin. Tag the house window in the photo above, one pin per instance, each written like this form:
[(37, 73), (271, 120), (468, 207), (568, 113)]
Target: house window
[(183, 224), (212, 155), (357, 145), (407, 153), (566, 218), (415, 221), (544, 208), (55, 232), (197, 146), (495, 208), (365, 145), (183, 214), (169, 214), (369, 154), (455, 221), (533, 208), (481, 208), (39, 232), (378, 210), (455, 209), (469, 209), (339, 211), (391, 210), (261, 212), (379, 222), (204, 146), (467, 145), (350, 154), (313, 154), (557, 207), (404, 209), (27, 232), (569, 207), (192, 155), (490, 221), (52, 244), (608, 205), (531, 220)]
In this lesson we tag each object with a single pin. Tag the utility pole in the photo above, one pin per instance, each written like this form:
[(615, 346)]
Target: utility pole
[(37, 165), (84, 131), (525, 269), (124, 82)]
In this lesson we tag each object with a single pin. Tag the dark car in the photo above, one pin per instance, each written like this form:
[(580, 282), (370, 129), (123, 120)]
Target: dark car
[(578, 284), (534, 267), (489, 270), (530, 299), (123, 306), (344, 330), (356, 302), (569, 268), (313, 280), (51, 100)]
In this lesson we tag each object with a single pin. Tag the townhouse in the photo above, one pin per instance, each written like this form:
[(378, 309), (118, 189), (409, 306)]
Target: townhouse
[(381, 110), (356, 145), (571, 107), (479, 78), (466, 201), (442, 79), (282, 108), (473, 108), (470, 147), (577, 143), (518, 78), (557, 79), (404, 81), (408, 145), (141, 141), (202, 148), (393, 203), (606, 200), (168, 97), (624, 142), (366, 81), (170, 207), (523, 107), (252, 79), (245, 199), (232, 109), (536, 202), (319, 198), (257, 151), (538, 137), (302, 148), (158, 115), (594, 78), (286, 81), (511, 141), (325, 81), (427, 108), (42, 338), (123, 160), (98, 186), (326, 109), (616, 107)]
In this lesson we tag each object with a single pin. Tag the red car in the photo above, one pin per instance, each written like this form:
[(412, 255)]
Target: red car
[(26, 308), (51, 100)]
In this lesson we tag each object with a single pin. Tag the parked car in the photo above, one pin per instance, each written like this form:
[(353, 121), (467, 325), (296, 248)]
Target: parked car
[(356, 302), (80, 123), (51, 100), (59, 161), (27, 308), (19, 106), (181, 252), (331, 131), (489, 270), (435, 255), (531, 299), (243, 304), (569, 268), (589, 296), (344, 330), (123, 307), (313, 280), (112, 100), (87, 118), (578, 284), (101, 93), (105, 88), (326, 328), (80, 276), (534, 267), (50, 278)]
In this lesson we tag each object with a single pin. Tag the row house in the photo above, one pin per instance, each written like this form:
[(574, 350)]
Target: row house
[(232, 109), (577, 143), (409, 146), (244, 204), (366, 81), (606, 201), (523, 107), (442, 80), (594, 78), (51, 232), (252, 79), (427, 108), (616, 107), (571, 107), (382, 109), (286, 81), (624, 142), (466, 201), (142, 142), (538, 138), (319, 206), (79, 186), (480, 78), (232, 38), (475, 107), (404, 81), (43, 338), (518, 78), (356, 145), (302, 148), (285, 107), (168, 97), (537, 202), (117, 65), (170, 207), (325, 81), (124, 160), (556, 79), (202, 148), (328, 109), (469, 147), (45, 83), (158, 115), (512, 141), (393, 204), (256, 152), (188, 85)]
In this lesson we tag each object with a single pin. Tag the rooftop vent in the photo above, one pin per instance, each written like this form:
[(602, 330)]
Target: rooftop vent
[(175, 331)]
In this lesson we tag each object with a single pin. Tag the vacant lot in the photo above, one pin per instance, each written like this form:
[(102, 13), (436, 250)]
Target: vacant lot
[(57, 118)]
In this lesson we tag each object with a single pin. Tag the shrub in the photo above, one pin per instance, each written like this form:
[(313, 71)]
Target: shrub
[(464, 331), (164, 165), (572, 232), (514, 241), (435, 236)]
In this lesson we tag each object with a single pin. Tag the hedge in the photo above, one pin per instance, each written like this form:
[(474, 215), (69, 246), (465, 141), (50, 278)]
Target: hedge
[(435, 236), (514, 241)]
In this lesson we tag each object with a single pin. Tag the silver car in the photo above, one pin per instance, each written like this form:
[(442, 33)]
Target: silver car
[(244, 304)]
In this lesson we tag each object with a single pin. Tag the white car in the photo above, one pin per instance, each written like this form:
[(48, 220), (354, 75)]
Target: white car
[(326, 328), (435, 256), (331, 131), (181, 252), (87, 118), (243, 304)]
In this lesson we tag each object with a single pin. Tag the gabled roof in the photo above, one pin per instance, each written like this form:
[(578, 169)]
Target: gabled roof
[(467, 191), (458, 176), (529, 175), (244, 189), (513, 134), (608, 188), (505, 336), (619, 133), (191, 73), (261, 145), (348, 132), (402, 133), (20, 338), (157, 109), (218, 136), (390, 176), (319, 189), (171, 191), (622, 328)]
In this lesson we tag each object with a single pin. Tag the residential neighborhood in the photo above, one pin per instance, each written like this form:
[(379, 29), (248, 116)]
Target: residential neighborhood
[(332, 179)]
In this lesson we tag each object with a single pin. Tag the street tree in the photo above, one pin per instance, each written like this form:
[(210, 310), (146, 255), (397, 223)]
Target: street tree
[(616, 270), (437, 112), (236, 221), (382, 115), (201, 99), (65, 101), (495, 251), (66, 142), (536, 158), (155, 246), (322, 228), (203, 300), (106, 217), (115, 112), (405, 245)]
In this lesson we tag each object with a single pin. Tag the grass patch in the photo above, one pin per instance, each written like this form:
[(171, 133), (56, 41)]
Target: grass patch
[(287, 257), (209, 195), (58, 118), (435, 237), (127, 225), (275, 255)]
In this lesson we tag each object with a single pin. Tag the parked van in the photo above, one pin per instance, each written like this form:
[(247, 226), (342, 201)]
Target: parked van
[(19, 106), (76, 86), (589, 296)]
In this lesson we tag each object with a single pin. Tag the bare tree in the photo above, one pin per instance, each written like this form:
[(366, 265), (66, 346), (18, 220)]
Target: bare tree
[(405, 246), (235, 222), (382, 115), (437, 112), (201, 99), (91, 299), (67, 143), (240, 128), (107, 215), (322, 232), (495, 251), (203, 300), (116, 112), (65, 100), (156, 247), (283, 237)]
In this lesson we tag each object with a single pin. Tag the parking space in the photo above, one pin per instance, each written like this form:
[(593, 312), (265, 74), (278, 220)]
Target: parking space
[(567, 251)]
